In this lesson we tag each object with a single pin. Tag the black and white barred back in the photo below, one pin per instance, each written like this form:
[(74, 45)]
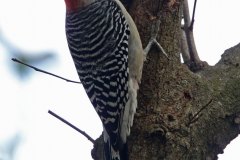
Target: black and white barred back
[(98, 41)]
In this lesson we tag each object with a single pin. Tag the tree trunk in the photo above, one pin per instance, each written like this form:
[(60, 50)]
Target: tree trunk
[(181, 115)]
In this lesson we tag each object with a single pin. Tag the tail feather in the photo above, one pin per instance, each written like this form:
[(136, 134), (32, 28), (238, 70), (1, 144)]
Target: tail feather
[(120, 149), (111, 154), (129, 110), (124, 152)]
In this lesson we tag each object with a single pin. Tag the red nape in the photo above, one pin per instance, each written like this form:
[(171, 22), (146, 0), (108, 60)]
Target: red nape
[(73, 5)]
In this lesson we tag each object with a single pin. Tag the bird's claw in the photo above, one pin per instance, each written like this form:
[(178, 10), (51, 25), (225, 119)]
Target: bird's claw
[(153, 40)]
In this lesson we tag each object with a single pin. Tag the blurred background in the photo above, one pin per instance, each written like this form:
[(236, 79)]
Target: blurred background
[(34, 32)]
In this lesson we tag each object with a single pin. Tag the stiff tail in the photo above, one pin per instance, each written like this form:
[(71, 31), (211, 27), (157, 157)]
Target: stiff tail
[(124, 152), (121, 153)]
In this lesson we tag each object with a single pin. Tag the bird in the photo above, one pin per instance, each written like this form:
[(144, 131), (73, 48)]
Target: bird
[(107, 51)]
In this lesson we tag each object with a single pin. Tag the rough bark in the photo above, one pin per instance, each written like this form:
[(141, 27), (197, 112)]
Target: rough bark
[(181, 115)]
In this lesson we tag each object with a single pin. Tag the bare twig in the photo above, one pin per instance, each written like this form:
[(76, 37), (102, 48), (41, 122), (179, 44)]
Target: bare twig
[(193, 15), (40, 70), (195, 117), (72, 126)]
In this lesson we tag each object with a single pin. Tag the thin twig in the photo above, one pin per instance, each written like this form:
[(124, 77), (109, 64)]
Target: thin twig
[(40, 70), (193, 15), (72, 126), (195, 116)]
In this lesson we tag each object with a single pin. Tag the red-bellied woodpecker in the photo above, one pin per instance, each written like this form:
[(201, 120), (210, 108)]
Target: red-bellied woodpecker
[(107, 51)]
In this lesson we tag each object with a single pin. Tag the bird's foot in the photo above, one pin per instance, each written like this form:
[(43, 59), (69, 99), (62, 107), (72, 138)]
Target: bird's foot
[(153, 40)]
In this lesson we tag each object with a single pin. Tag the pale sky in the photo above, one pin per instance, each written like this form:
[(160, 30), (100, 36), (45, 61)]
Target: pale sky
[(39, 26)]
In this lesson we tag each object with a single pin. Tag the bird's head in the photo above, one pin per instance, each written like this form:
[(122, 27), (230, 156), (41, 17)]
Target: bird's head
[(74, 5)]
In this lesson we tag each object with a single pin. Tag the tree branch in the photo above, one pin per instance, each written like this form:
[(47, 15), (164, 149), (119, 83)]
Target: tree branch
[(42, 71), (72, 126), (169, 93), (195, 63)]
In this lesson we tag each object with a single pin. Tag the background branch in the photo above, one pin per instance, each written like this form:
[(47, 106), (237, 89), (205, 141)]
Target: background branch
[(42, 71), (72, 126)]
